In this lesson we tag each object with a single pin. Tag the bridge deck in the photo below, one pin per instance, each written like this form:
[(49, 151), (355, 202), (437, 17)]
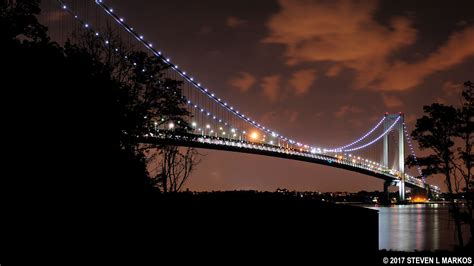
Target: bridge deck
[(198, 141)]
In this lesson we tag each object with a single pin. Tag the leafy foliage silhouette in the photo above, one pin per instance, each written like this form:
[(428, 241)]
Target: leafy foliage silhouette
[(447, 132), (74, 112)]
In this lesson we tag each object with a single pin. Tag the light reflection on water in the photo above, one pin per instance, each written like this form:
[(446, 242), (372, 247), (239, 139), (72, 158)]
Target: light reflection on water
[(416, 227)]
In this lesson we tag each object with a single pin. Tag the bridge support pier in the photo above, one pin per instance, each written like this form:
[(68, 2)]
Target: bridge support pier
[(401, 158), (386, 194), (385, 144), (401, 151), (401, 190)]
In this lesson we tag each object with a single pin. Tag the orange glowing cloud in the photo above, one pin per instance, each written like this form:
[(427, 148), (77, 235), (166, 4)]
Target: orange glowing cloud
[(302, 80), (403, 75), (334, 71), (346, 34), (451, 88), (391, 101), (271, 87), (346, 110), (341, 31), (243, 82)]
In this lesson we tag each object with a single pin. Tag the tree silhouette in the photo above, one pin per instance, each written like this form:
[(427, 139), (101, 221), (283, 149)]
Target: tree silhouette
[(174, 167), (19, 23), (446, 131), (465, 156), (152, 101), (64, 109)]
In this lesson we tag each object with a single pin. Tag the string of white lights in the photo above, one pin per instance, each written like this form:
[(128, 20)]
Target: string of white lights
[(193, 105), (412, 151), (339, 149), (234, 129), (183, 74), (376, 139)]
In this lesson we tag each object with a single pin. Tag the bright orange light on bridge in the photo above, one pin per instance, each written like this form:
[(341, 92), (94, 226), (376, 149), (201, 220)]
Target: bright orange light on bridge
[(254, 136)]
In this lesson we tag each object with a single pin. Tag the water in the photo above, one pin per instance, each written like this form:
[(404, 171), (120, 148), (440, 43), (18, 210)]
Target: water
[(416, 227)]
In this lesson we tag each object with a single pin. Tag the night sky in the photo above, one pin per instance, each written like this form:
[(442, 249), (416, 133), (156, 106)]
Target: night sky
[(322, 72)]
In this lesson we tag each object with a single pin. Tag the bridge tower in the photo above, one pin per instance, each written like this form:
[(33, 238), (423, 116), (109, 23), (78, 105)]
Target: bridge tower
[(389, 119)]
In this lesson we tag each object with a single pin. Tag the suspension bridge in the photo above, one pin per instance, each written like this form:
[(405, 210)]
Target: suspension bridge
[(217, 124)]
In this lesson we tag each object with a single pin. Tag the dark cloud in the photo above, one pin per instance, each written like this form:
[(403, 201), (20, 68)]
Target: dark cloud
[(204, 30), (234, 22), (54, 16)]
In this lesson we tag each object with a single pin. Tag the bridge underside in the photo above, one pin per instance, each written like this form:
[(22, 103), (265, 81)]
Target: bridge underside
[(327, 161)]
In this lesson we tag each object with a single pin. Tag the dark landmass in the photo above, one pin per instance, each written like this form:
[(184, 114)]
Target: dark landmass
[(247, 225)]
